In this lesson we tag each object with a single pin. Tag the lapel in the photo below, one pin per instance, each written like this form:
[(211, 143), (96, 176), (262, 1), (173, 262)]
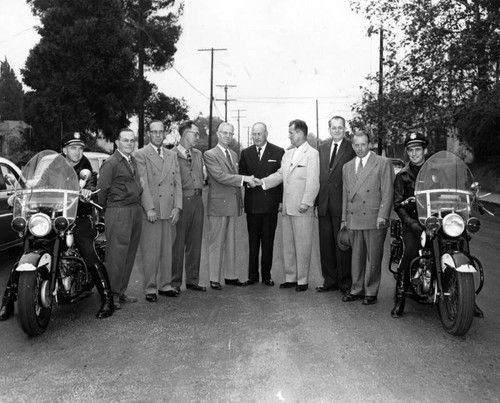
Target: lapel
[(265, 155), (222, 156), (123, 160), (325, 155), (299, 157), (370, 165), (155, 158)]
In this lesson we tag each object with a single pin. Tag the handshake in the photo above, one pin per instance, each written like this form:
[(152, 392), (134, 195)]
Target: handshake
[(252, 181)]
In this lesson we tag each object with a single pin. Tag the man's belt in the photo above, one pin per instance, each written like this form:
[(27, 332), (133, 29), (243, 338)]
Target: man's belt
[(191, 192)]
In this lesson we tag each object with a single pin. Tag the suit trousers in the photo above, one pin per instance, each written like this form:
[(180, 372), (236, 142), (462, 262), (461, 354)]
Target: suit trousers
[(335, 264), (188, 241), (367, 251), (123, 231), (157, 240), (297, 247), (261, 231), (222, 249)]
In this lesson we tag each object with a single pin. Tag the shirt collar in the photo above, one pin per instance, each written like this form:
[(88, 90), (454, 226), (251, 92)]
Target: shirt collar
[(124, 156)]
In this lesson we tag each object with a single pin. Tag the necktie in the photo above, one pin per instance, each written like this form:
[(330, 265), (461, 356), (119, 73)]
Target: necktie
[(129, 160), (188, 155), (332, 158), (360, 168), (159, 151), (259, 149), (230, 161)]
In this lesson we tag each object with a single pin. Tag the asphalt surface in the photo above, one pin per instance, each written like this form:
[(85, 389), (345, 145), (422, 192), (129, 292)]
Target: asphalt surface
[(258, 344)]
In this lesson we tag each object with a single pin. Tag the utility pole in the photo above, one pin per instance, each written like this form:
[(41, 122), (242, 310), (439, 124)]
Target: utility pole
[(225, 86), (317, 125), (380, 127), (238, 118), (211, 50), (140, 59)]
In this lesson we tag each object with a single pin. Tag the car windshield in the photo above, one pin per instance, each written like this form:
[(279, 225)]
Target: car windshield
[(48, 185), (443, 185)]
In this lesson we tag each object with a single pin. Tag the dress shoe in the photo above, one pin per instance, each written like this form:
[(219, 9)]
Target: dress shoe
[(169, 293), (288, 284), (301, 287), (322, 288), (116, 304), (151, 297), (369, 300), (250, 282), (350, 297), (235, 282), (269, 282), (215, 285), (195, 287), (126, 298)]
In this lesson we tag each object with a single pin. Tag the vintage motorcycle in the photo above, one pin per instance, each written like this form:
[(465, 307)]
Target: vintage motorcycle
[(50, 269), (445, 272)]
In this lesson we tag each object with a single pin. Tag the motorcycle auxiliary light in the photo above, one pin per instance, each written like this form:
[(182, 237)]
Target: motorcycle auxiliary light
[(18, 224), (453, 225), (39, 224), (61, 223), (473, 224), (432, 223)]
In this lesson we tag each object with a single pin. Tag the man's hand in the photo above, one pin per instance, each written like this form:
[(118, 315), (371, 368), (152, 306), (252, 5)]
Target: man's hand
[(85, 194), (257, 182), (152, 217), (250, 180), (175, 215), (303, 208), (381, 222)]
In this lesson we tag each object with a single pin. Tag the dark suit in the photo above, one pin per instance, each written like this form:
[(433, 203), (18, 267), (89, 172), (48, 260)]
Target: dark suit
[(335, 264), (120, 194), (366, 197), (261, 207)]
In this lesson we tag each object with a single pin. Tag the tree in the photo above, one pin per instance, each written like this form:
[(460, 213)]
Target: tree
[(156, 34), (11, 94), (167, 109), (438, 55), (81, 73)]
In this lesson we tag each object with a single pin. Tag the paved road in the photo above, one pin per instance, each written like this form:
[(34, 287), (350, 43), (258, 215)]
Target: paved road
[(258, 344)]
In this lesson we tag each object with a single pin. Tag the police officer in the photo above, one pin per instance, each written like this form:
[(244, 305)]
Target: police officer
[(84, 234), (404, 188)]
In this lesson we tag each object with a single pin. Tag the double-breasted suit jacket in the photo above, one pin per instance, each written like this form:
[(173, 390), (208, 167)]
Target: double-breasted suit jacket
[(224, 205), (300, 178), (120, 194), (335, 264), (366, 198), (161, 181), (261, 207)]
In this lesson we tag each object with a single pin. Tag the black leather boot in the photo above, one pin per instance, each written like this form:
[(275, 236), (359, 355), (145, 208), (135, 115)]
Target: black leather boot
[(400, 297), (100, 276), (7, 309)]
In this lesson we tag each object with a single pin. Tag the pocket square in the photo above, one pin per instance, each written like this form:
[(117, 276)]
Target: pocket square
[(301, 166), (272, 161)]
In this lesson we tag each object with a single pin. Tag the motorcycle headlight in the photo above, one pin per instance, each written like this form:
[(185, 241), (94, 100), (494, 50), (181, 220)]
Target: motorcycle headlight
[(453, 225), (432, 223), (473, 224), (39, 224), (61, 223)]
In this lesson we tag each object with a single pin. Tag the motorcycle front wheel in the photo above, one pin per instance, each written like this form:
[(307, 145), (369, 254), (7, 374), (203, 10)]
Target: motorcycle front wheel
[(456, 308), (34, 301)]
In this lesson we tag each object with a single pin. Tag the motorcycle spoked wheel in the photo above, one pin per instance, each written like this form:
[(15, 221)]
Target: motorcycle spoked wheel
[(33, 291), (457, 308)]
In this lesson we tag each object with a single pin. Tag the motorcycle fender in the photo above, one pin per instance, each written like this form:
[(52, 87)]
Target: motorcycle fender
[(457, 261), (32, 260)]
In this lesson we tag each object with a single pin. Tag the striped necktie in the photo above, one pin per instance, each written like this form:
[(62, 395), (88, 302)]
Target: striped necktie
[(230, 161), (188, 155)]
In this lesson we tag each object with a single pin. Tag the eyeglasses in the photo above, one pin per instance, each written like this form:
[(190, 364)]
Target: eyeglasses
[(126, 141), (226, 133)]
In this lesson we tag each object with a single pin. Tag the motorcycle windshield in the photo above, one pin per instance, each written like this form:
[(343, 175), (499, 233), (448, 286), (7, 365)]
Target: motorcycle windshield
[(49, 185), (443, 185)]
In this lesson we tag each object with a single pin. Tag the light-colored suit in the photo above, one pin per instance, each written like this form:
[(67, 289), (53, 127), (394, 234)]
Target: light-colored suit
[(364, 200), (300, 180), (223, 206), (161, 181)]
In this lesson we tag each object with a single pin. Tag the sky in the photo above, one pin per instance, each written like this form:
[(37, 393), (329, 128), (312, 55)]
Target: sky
[(281, 56)]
